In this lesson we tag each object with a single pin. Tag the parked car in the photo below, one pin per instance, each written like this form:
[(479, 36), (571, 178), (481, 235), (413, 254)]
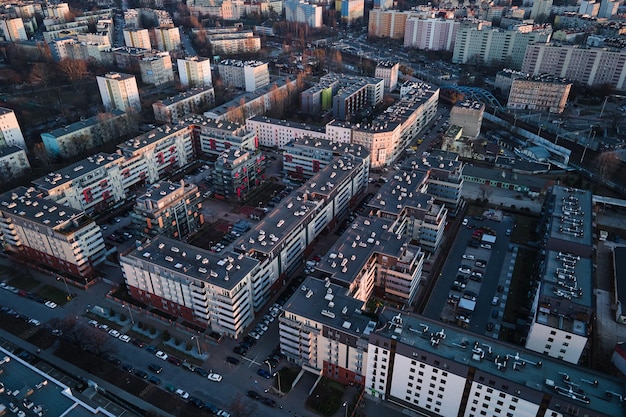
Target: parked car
[(162, 355), (141, 374), (154, 379), (495, 301), (202, 372), (174, 360), (254, 395), (128, 367), (214, 377), (264, 373), (232, 360), (268, 402), (239, 350), (182, 393), (155, 368)]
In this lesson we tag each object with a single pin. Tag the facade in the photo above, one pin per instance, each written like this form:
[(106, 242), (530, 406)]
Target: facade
[(355, 94), (137, 38), (563, 309), (351, 10), (493, 45), (157, 70), (245, 75), (10, 131), (319, 97), (85, 134), (323, 331), (304, 157), (543, 93), (591, 66), (430, 34), (434, 369), (12, 29), (302, 11), (241, 42), (388, 71), (195, 72), (169, 209), (237, 172), (200, 286), (42, 232), (387, 23), (216, 136), (468, 114), (541, 9), (276, 133), (174, 109), (119, 91), (13, 162), (167, 38), (608, 9), (589, 8)]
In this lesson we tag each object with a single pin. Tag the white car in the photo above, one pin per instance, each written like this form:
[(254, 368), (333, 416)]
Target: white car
[(161, 355), (263, 326), (470, 257), (222, 413), (50, 304), (465, 270), (495, 301), (93, 323), (485, 245), (124, 338), (114, 333), (34, 322), (254, 335), (268, 317), (182, 394), (214, 377)]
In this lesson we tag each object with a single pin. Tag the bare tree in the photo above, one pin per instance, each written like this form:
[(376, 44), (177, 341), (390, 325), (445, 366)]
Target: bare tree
[(74, 69), (607, 163), (242, 407)]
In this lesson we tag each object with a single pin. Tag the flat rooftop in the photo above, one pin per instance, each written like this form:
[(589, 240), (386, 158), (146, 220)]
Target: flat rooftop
[(288, 123), (74, 171), (223, 270), (185, 95), (335, 173), (571, 216), (153, 136), (83, 124), (457, 346), (330, 148)]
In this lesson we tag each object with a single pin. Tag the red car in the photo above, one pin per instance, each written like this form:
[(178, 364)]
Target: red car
[(174, 360)]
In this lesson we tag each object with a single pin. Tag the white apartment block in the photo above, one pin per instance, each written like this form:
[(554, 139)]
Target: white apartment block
[(119, 91), (216, 136), (434, 369), (213, 290), (544, 93), (323, 330), (137, 38), (59, 11), (156, 70), (10, 131), (430, 34), (489, 45), (591, 66), (40, 231), (541, 9), (167, 38), (388, 71), (608, 9), (195, 72), (174, 109), (245, 75), (13, 162), (12, 29), (468, 114), (276, 133), (352, 10), (302, 11)]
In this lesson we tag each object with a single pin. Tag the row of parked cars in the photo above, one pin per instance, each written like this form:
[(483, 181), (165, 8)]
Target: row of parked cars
[(26, 294)]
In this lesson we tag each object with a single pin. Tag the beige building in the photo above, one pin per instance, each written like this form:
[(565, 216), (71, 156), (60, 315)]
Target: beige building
[(10, 131), (387, 23), (119, 91), (468, 114), (388, 71), (12, 29), (543, 93), (245, 75), (195, 71), (166, 39), (157, 70), (137, 38), (239, 42), (173, 109)]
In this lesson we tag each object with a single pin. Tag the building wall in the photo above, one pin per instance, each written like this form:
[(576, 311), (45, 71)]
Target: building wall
[(119, 91), (555, 343), (195, 72), (10, 132), (157, 70), (387, 23), (537, 95), (137, 38), (430, 34)]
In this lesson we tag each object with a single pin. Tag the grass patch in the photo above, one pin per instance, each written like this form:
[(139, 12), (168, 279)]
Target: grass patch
[(25, 282), (43, 339), (287, 376), (53, 294), (326, 399)]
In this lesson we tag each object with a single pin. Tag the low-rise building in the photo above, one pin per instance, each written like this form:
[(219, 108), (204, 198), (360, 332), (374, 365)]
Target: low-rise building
[(173, 109), (157, 70), (13, 162), (240, 42), (541, 92), (277, 133), (468, 114), (245, 75), (169, 209), (203, 287), (42, 232)]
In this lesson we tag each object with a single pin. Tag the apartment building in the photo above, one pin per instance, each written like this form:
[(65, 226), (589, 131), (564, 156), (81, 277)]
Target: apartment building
[(10, 131), (351, 10), (444, 176), (157, 70), (13, 162), (304, 157), (73, 139), (241, 42), (59, 10), (276, 133), (119, 91), (166, 38), (202, 287), (431, 368), (591, 66), (388, 71), (42, 232), (562, 313), (302, 11), (540, 9), (223, 9), (355, 94), (319, 97), (323, 331), (384, 23), (127, 58), (137, 38), (494, 45), (245, 75), (195, 72), (174, 109), (168, 209), (12, 29), (216, 136), (237, 172), (542, 92), (430, 34), (468, 114)]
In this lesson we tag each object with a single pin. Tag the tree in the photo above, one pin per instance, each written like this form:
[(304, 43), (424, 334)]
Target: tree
[(607, 163), (74, 69), (242, 407)]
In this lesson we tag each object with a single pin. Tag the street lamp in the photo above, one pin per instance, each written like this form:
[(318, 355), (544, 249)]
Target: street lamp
[(130, 312), (277, 374), (345, 404), (69, 295), (269, 365), (197, 344)]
